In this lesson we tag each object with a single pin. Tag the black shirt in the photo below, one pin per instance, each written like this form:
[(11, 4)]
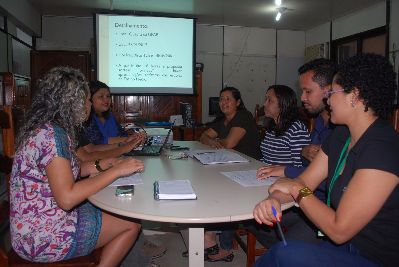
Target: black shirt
[(378, 148), (250, 142)]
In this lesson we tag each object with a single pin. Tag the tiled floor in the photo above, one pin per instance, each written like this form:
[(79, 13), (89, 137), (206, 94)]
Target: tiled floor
[(170, 236)]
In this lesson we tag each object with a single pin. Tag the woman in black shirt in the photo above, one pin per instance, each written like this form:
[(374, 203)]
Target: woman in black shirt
[(361, 163)]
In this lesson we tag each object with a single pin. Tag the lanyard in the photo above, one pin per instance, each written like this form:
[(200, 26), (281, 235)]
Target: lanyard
[(338, 169)]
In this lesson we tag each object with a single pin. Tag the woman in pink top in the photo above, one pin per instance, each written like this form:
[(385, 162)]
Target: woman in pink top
[(51, 220)]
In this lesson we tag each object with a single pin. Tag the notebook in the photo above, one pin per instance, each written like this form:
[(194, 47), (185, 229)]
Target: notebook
[(177, 189), (150, 149)]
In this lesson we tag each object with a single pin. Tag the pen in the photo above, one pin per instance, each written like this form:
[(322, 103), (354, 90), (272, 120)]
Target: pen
[(279, 226)]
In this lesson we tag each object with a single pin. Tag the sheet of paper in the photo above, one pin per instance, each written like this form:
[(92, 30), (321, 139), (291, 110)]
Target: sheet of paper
[(248, 178), (219, 156), (134, 179)]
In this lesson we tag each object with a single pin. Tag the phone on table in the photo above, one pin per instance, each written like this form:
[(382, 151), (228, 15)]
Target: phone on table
[(124, 191), (179, 148)]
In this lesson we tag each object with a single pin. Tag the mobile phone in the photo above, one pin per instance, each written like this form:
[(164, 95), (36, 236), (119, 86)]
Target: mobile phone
[(124, 191), (179, 148)]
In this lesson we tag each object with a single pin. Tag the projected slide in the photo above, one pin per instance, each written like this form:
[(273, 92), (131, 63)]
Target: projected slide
[(145, 55)]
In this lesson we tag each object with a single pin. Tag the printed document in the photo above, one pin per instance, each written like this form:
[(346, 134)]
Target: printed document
[(248, 178), (133, 179), (219, 156)]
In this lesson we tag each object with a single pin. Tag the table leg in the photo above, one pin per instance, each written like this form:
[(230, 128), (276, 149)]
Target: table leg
[(196, 247)]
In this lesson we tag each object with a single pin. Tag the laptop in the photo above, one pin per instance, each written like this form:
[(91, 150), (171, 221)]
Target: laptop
[(150, 149)]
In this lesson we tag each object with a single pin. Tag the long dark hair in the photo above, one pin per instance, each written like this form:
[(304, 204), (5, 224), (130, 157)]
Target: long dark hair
[(94, 87), (288, 105)]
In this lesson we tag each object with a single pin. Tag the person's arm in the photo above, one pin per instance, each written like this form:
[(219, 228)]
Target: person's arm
[(233, 138), (208, 137), (310, 151), (88, 168), (311, 177), (363, 198), (68, 193), (89, 152)]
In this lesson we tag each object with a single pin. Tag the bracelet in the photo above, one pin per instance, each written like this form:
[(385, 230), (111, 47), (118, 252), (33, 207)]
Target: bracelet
[(98, 167)]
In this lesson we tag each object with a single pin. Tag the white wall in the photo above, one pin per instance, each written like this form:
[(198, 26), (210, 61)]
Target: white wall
[(363, 20), (290, 56), (360, 21), (318, 35)]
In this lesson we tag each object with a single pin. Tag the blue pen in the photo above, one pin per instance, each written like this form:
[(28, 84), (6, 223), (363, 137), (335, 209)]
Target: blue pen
[(279, 226)]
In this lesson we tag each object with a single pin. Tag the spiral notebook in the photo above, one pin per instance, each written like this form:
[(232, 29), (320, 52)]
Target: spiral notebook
[(177, 189)]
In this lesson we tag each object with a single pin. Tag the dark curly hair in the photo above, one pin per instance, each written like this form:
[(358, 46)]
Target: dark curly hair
[(374, 77), (288, 105), (324, 70), (94, 87)]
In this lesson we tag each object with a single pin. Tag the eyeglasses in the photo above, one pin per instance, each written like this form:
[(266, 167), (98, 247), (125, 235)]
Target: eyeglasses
[(331, 92)]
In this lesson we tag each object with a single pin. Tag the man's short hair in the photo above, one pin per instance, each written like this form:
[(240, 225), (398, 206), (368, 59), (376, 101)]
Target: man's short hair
[(324, 70)]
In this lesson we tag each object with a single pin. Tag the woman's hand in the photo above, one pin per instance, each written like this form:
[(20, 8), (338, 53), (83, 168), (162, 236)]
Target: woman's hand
[(268, 171), (263, 212), (216, 144), (128, 165), (286, 186), (134, 141)]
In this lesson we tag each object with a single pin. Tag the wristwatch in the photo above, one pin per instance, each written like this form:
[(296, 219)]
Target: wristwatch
[(97, 165), (304, 192)]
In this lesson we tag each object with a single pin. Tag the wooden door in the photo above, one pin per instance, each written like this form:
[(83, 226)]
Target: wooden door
[(44, 60)]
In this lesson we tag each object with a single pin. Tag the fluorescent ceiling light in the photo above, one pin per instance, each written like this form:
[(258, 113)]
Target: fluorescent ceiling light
[(278, 16), (277, 2)]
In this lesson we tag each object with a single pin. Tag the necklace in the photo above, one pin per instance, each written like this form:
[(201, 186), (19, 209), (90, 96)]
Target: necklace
[(338, 169)]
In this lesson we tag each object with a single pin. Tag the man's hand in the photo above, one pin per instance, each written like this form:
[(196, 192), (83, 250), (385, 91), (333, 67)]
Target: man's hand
[(309, 152)]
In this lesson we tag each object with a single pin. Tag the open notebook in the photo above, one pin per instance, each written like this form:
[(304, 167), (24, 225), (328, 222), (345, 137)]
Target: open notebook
[(177, 189)]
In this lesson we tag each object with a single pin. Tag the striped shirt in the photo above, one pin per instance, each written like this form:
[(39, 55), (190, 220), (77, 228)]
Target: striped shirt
[(285, 149)]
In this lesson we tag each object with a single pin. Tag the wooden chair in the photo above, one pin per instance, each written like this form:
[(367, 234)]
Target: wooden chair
[(10, 259), (249, 246)]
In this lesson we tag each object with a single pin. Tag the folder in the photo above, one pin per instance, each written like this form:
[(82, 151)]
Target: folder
[(176, 189)]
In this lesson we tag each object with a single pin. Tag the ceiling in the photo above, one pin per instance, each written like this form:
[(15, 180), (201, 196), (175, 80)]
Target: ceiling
[(300, 14)]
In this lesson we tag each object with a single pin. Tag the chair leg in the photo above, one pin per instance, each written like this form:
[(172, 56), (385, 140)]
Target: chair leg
[(251, 246)]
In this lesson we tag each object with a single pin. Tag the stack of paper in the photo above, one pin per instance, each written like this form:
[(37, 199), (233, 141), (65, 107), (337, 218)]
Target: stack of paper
[(177, 189), (219, 156)]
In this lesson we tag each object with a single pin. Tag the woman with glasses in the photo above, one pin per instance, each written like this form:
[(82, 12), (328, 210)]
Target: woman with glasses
[(360, 219)]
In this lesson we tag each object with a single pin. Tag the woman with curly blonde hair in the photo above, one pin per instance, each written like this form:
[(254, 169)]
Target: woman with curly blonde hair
[(50, 217)]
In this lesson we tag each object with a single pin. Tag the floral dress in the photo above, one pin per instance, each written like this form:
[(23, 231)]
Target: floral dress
[(40, 230)]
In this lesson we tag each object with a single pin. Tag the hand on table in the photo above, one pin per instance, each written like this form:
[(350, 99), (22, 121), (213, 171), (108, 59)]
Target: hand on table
[(216, 144), (268, 171), (128, 165)]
